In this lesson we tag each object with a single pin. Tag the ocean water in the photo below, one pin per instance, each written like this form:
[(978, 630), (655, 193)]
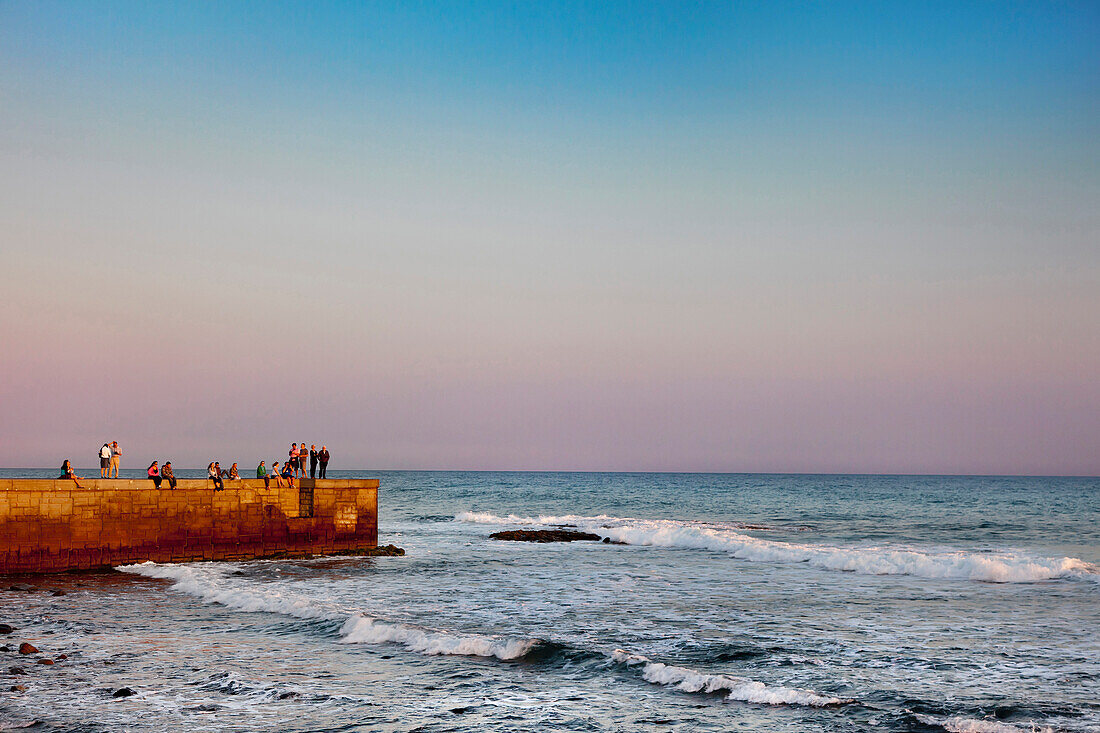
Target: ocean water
[(723, 602)]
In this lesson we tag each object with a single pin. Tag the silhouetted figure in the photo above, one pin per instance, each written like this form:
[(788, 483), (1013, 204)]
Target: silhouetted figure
[(313, 461), (322, 461)]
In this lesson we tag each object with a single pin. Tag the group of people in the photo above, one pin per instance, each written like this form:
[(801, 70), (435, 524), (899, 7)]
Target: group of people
[(294, 467), (110, 455)]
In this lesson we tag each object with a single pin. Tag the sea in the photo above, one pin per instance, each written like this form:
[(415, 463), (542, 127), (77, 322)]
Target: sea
[(718, 602)]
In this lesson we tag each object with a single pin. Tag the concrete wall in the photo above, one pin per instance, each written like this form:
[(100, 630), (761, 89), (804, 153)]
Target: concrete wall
[(51, 526)]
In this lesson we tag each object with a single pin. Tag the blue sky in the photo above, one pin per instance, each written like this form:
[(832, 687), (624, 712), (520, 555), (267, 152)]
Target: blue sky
[(774, 236)]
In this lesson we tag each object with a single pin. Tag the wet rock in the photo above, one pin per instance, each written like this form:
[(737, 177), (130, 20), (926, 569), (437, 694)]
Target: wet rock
[(287, 695), (5, 648), (57, 592), (383, 551), (18, 688), (16, 670), (459, 711), (22, 588), (45, 661), (6, 629), (609, 541), (26, 648), (544, 535), (123, 692), (62, 657)]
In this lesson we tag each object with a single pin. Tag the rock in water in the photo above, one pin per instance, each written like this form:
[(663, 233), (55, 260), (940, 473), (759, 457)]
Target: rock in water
[(45, 661), (123, 692), (5, 629), (16, 670), (544, 535), (26, 648), (18, 688)]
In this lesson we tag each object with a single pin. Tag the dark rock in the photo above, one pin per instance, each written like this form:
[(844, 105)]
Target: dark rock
[(123, 692), (26, 648), (287, 695), (5, 629), (459, 711), (57, 592), (545, 535), (383, 551), (5, 648), (22, 587), (45, 661), (18, 688), (609, 541), (16, 670), (62, 657)]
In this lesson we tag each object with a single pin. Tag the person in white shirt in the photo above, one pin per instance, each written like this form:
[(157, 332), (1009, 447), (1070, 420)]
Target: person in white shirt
[(104, 460)]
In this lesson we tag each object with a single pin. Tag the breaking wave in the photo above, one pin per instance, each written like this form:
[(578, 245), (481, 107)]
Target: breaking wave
[(736, 688), (994, 567), (212, 587), (958, 724)]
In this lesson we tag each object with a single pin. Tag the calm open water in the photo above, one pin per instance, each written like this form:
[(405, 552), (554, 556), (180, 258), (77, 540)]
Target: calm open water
[(738, 602)]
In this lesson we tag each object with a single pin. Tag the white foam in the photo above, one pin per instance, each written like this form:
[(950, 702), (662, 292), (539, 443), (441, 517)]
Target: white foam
[(996, 567), (738, 688), (213, 587), (363, 630), (959, 724)]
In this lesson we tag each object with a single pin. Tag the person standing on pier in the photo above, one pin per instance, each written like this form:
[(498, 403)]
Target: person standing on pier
[(322, 459), (292, 461), (116, 458), (104, 460), (313, 461)]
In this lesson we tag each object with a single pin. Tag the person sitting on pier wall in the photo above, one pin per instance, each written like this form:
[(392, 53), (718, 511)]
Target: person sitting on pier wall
[(261, 472), (154, 474), (214, 473), (276, 474), (322, 459), (288, 474), (67, 472), (233, 474), (166, 473)]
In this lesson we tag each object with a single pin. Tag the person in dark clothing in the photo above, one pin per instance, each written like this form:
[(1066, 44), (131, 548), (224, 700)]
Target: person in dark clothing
[(67, 472), (167, 475), (154, 474), (313, 461), (322, 460)]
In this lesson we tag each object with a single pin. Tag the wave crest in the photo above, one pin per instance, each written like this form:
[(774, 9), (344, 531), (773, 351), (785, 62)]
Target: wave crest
[(737, 688), (994, 567)]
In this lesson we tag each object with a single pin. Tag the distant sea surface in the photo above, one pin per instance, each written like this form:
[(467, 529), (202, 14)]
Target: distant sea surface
[(721, 602)]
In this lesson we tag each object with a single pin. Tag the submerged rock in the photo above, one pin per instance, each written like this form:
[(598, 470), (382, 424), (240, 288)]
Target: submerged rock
[(16, 670), (26, 648), (123, 692), (6, 629), (545, 535), (23, 587)]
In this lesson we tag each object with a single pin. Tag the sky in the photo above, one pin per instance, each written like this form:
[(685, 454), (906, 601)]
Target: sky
[(776, 237)]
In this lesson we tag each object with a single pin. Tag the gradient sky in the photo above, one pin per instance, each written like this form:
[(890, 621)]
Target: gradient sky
[(713, 237)]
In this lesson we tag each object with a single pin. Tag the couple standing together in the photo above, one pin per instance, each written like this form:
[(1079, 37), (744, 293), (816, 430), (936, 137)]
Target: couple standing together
[(109, 457)]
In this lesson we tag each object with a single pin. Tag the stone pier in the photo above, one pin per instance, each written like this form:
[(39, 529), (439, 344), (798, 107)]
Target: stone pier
[(53, 526)]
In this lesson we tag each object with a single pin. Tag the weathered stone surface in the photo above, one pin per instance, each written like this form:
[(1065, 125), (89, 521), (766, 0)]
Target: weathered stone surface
[(26, 648), (545, 535), (53, 526)]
